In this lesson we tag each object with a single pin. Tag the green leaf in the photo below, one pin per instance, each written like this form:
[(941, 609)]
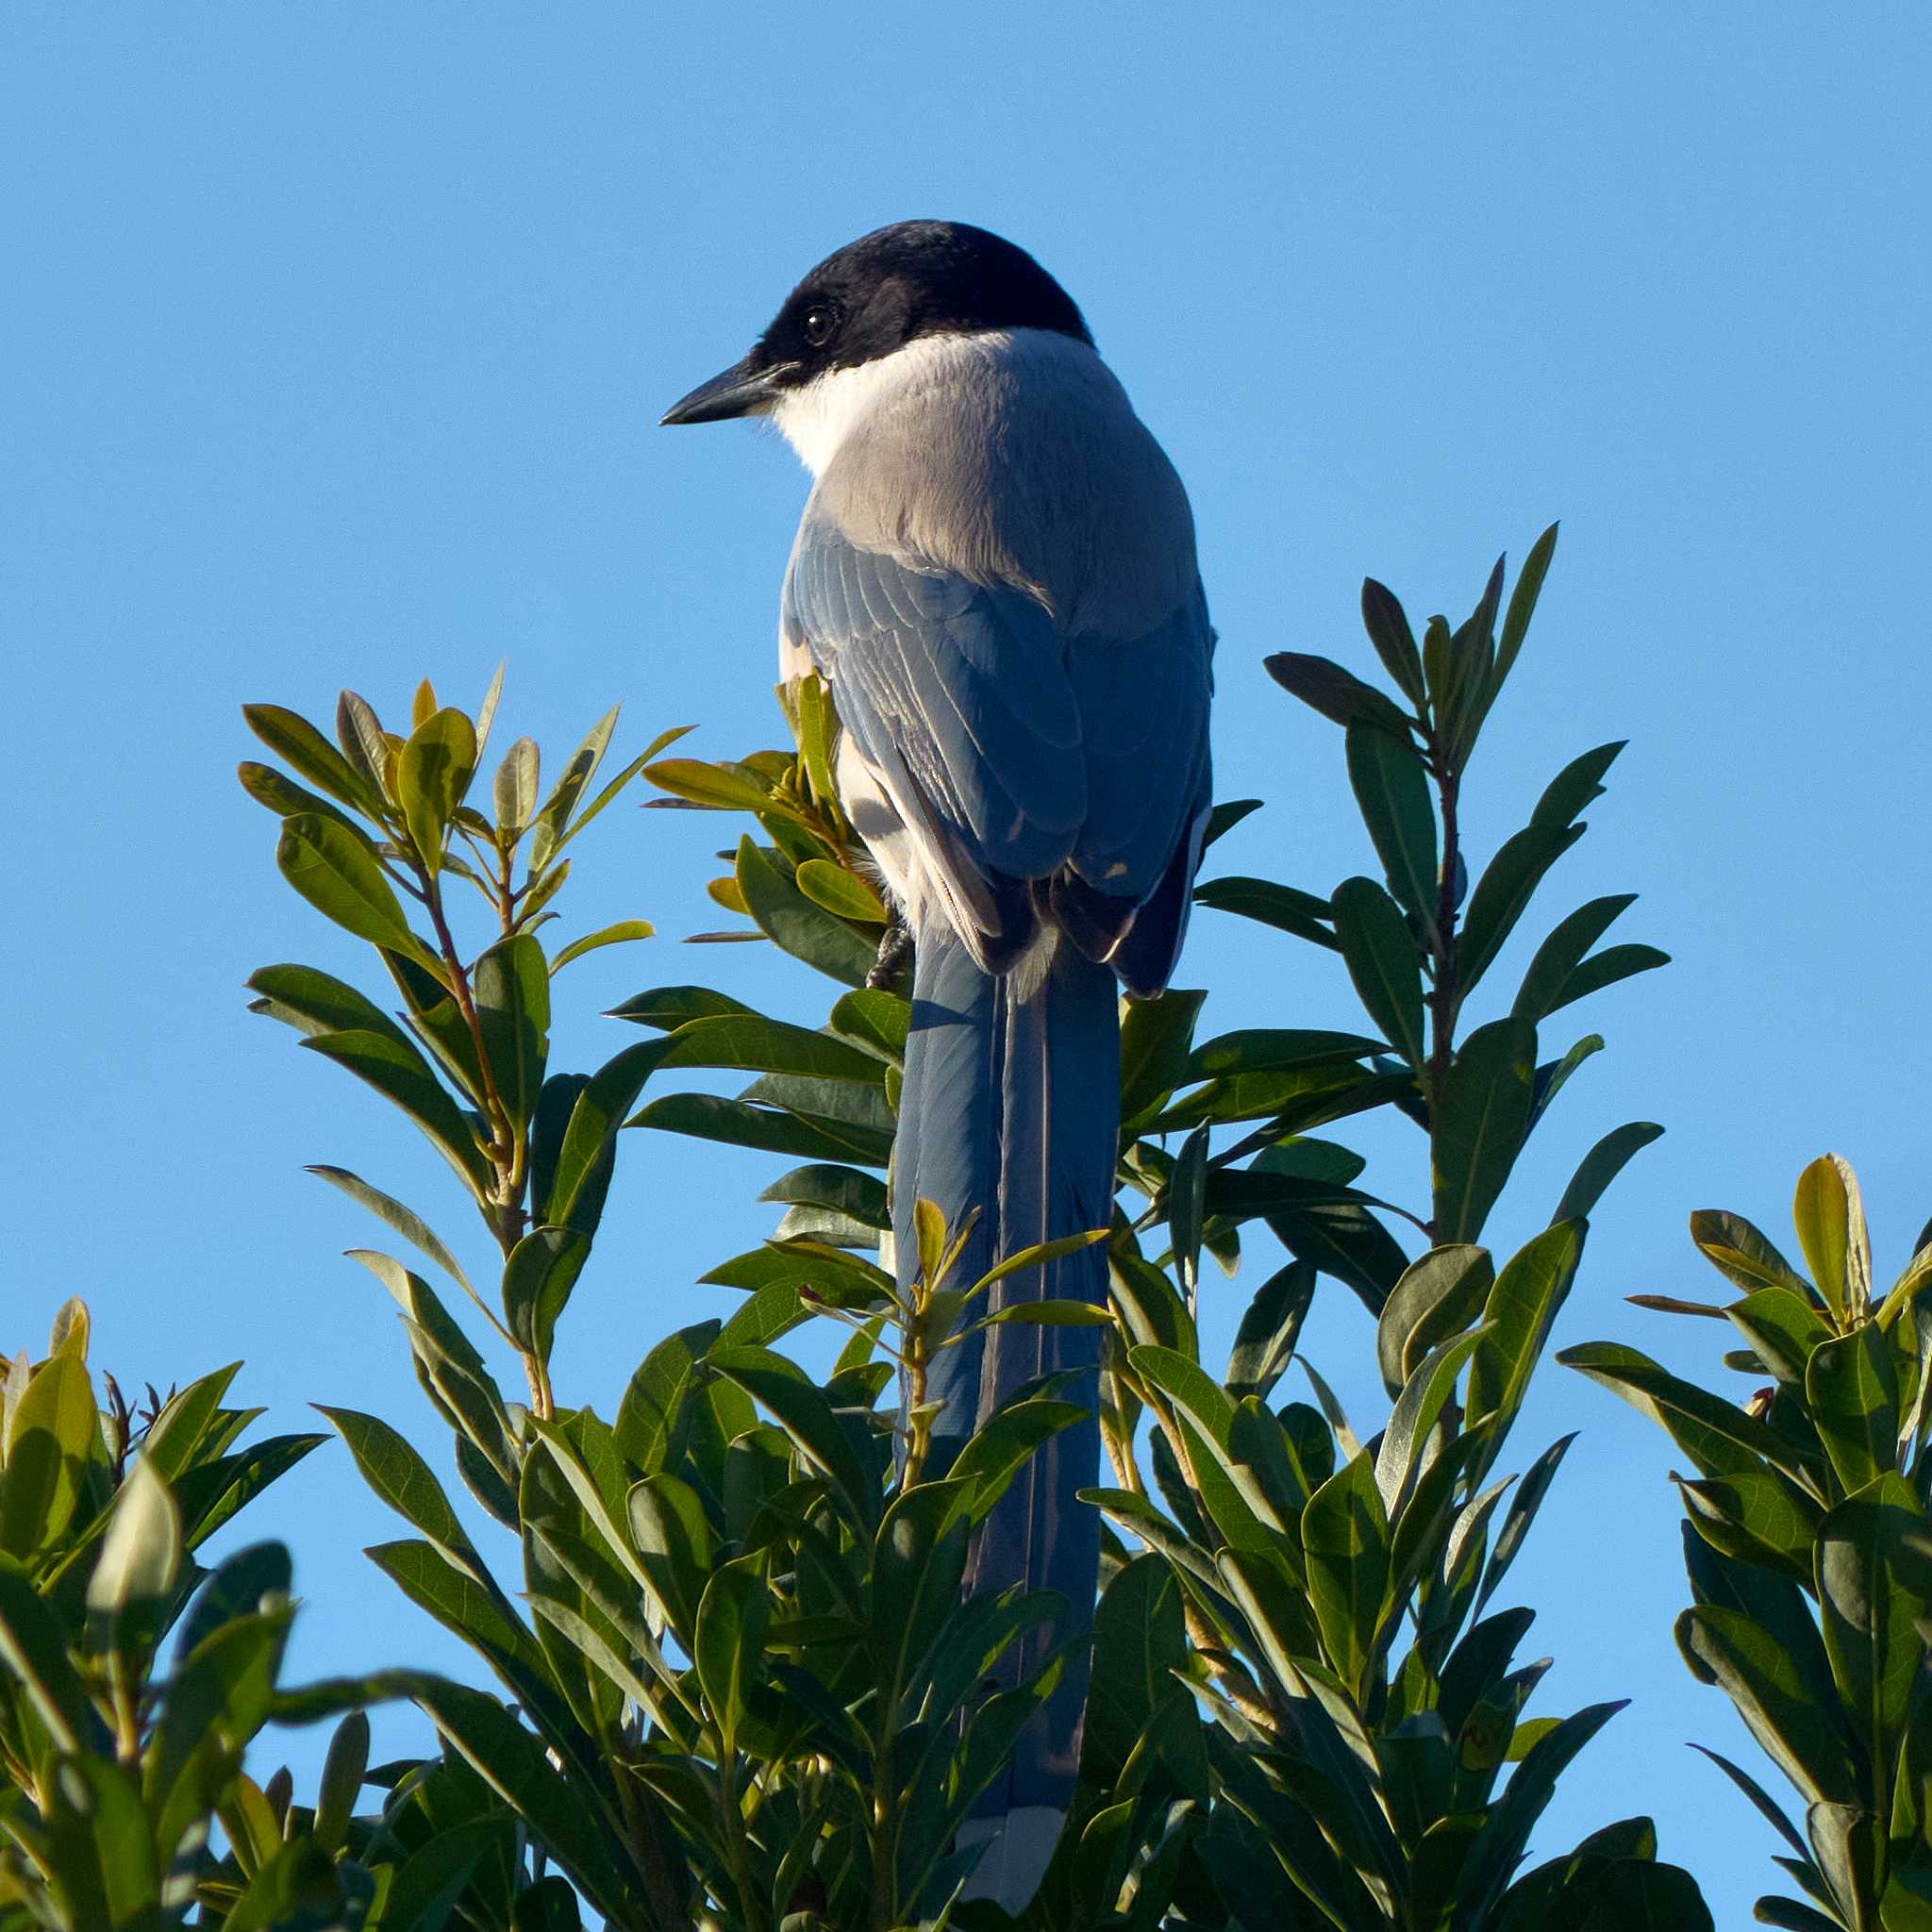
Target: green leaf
[(1745, 1255), (842, 1190), (875, 1020), (1519, 1515), (313, 1002), (1139, 1653), (1267, 1050), (1604, 969), (1264, 1342), (802, 1410), (579, 769), (1782, 1328), (1871, 1602), (1758, 1516), (1830, 1219), (574, 1193), (513, 792), (537, 1282), (33, 1648), (331, 867), (1852, 1385), (401, 1074), (795, 924), (512, 1764), (1601, 1166), (342, 1781), (1005, 1442), (432, 775), (739, 1123), (1386, 625), (1559, 954), (1324, 686), (839, 891), (1383, 963), (298, 742), (511, 986), (403, 1480), (1716, 1435), (1154, 1038), (674, 1545), (1529, 584), (392, 1213), (1502, 894), (52, 1435), (618, 934), (140, 1554), (1576, 786), (1392, 792), (732, 1619), (1284, 907), (1481, 1117), (1438, 1295), (1772, 1697), (1346, 1543), (1418, 1408), (752, 1044)]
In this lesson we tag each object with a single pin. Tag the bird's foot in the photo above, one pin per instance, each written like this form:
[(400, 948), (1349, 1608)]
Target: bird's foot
[(895, 948)]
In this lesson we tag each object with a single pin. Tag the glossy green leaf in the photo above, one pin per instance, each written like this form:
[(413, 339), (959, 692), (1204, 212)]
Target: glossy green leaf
[(511, 986), (1438, 1295), (1517, 1316), (52, 1436), (1576, 786), (1830, 1219), (732, 1618), (1503, 893), (845, 1190), (839, 891), (1392, 792), (1284, 907), (620, 933), (798, 927), (1744, 1254), (140, 1554), (754, 1044), (402, 1479), (1338, 694), (401, 1074), (538, 1277), (33, 1649), (1430, 1387), (1265, 1339), (1386, 625), (1346, 1544), (432, 776), (1870, 1597), (1601, 1166), (1717, 1436), (1850, 1383), (1758, 1516), (1558, 956), (1606, 968), (802, 1410), (298, 742), (1774, 1698), (405, 1220), (332, 868), (1156, 1036), (1382, 962), (1519, 1515), (1480, 1119), (740, 1123)]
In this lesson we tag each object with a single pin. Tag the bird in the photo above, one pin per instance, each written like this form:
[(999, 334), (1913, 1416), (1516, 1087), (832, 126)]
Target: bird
[(995, 575)]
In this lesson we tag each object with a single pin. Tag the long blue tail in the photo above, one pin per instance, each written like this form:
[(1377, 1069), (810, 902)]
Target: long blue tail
[(1011, 1107)]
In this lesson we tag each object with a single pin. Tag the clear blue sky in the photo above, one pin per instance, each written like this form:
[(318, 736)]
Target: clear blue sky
[(333, 342)]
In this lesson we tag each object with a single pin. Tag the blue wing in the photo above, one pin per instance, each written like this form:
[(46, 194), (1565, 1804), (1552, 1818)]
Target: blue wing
[(1068, 775)]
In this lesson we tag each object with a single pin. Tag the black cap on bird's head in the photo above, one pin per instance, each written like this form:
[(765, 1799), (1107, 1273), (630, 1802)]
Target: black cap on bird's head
[(878, 293)]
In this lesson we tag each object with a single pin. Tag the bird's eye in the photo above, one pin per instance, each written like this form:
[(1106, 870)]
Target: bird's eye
[(818, 325)]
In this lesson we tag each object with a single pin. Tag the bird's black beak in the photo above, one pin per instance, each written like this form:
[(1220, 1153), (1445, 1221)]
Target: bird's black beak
[(744, 390)]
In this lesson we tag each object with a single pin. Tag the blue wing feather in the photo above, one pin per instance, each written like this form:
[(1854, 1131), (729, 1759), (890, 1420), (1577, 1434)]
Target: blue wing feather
[(1034, 756)]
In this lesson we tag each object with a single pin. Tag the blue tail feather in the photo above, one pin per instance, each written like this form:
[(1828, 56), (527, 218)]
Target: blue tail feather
[(1011, 1107)]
